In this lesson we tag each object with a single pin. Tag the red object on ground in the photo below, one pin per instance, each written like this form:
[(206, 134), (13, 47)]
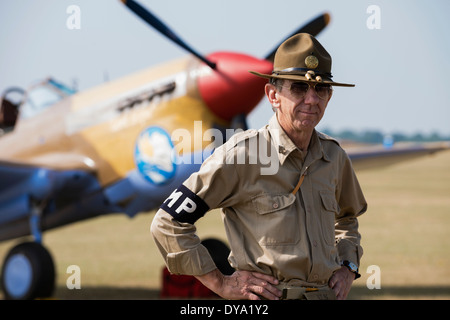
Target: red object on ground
[(182, 286)]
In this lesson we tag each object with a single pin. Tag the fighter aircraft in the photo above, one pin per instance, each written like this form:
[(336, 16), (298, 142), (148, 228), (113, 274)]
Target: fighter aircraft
[(122, 147)]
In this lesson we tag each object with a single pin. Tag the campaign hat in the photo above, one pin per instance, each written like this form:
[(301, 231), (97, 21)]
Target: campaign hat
[(302, 58)]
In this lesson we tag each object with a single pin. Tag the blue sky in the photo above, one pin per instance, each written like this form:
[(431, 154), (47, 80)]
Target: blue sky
[(400, 70)]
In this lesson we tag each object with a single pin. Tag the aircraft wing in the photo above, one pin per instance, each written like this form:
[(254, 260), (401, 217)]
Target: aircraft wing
[(25, 187), (58, 196), (377, 157)]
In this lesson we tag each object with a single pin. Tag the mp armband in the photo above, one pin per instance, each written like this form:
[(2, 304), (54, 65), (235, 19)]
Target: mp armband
[(184, 205)]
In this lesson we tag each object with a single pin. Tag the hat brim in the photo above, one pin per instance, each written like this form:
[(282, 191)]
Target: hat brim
[(297, 77)]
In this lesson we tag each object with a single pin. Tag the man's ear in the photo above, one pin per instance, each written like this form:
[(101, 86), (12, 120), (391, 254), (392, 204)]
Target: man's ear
[(272, 95)]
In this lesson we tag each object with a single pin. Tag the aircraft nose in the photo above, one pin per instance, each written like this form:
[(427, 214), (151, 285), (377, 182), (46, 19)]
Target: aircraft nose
[(231, 89)]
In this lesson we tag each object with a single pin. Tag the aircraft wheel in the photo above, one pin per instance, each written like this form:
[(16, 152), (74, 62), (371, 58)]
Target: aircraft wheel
[(28, 272), (219, 252)]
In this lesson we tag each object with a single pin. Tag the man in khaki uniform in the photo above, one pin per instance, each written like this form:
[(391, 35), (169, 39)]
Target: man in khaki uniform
[(289, 195)]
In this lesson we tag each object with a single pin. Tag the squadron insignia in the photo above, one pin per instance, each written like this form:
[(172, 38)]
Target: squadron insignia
[(154, 155)]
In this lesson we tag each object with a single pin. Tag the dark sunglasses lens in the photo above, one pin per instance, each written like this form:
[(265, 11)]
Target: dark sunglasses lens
[(323, 90), (299, 88)]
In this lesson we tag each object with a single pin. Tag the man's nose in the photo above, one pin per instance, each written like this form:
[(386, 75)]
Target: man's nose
[(311, 96)]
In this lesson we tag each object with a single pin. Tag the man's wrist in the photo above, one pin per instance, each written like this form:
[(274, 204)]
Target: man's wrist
[(353, 268), (213, 280)]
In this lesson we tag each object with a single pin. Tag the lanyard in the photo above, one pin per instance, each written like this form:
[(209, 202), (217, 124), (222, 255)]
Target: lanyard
[(300, 181)]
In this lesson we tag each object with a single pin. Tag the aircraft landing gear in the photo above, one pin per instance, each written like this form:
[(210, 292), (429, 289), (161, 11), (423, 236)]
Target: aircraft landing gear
[(28, 272)]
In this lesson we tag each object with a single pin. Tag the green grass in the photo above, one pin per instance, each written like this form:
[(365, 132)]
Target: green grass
[(405, 232)]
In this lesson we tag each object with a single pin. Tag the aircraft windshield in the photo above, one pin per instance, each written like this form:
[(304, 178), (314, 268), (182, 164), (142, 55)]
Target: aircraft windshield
[(41, 96)]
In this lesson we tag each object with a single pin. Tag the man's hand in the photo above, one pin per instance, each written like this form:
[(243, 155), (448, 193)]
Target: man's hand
[(341, 282), (241, 285)]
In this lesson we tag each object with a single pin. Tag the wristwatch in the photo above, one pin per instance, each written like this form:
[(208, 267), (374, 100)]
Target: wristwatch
[(352, 267)]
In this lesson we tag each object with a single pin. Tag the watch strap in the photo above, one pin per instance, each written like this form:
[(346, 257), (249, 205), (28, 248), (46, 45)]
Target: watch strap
[(352, 267)]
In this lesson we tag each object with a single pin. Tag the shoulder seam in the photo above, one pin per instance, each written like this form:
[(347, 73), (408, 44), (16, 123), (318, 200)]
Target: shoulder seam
[(239, 137), (324, 136)]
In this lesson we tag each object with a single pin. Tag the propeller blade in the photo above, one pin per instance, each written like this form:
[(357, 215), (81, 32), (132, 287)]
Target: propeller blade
[(313, 27), (151, 19)]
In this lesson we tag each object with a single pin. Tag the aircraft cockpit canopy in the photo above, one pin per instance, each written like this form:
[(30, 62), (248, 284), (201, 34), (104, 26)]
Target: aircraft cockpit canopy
[(18, 103), (43, 95)]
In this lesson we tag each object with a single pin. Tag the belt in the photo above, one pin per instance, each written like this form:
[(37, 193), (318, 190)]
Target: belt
[(306, 293)]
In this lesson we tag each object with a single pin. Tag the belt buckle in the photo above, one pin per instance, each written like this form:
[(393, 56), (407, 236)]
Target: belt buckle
[(296, 292)]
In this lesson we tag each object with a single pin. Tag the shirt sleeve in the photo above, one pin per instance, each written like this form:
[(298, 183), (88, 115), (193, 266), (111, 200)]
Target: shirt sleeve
[(352, 204), (173, 229)]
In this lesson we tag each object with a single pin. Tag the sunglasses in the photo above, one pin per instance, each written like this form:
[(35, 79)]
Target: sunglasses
[(299, 89)]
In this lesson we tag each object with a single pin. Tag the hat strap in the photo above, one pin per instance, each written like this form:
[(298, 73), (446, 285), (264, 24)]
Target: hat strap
[(301, 71)]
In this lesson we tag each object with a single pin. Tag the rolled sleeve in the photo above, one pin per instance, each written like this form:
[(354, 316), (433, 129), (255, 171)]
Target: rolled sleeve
[(352, 204), (190, 262), (350, 251), (180, 247)]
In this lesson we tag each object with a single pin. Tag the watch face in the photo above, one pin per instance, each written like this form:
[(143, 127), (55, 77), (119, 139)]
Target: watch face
[(353, 266)]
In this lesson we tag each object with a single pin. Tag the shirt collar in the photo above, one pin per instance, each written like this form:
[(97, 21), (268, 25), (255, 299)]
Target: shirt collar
[(284, 145)]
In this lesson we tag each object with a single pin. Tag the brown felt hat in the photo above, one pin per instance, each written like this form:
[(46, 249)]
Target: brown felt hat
[(302, 58)]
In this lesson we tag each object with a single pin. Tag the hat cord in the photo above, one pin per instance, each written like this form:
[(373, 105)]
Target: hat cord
[(300, 71)]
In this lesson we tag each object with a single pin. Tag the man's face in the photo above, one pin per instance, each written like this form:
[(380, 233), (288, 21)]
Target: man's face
[(298, 112)]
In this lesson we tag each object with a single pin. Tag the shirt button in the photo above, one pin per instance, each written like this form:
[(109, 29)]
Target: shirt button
[(275, 205), (315, 243), (315, 277)]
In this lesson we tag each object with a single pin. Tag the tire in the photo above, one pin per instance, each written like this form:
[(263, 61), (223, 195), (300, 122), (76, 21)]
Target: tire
[(28, 272), (219, 252)]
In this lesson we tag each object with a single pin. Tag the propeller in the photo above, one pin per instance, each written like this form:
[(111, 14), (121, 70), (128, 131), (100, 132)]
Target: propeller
[(164, 29), (230, 92), (313, 27)]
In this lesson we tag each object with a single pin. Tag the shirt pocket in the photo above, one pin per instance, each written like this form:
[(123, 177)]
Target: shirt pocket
[(276, 219), (329, 210)]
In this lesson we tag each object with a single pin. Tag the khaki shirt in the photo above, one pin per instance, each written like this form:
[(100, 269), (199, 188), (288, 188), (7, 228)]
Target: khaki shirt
[(299, 238)]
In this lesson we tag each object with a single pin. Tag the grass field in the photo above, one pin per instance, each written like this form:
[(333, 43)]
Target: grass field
[(405, 233)]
